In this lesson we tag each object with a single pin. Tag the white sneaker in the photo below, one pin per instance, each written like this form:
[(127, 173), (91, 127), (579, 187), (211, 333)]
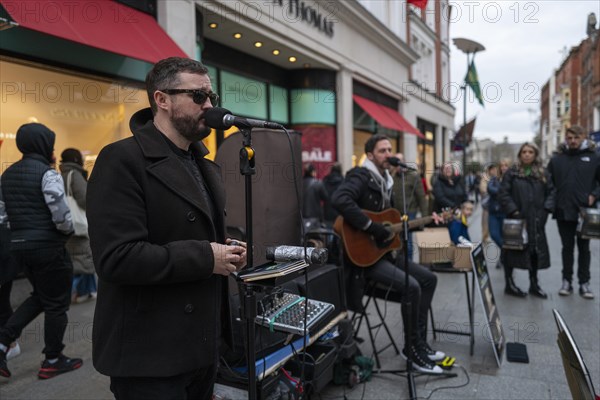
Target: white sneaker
[(13, 351), (566, 289)]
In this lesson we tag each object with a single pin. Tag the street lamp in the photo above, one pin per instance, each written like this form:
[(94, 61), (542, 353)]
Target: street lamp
[(469, 47)]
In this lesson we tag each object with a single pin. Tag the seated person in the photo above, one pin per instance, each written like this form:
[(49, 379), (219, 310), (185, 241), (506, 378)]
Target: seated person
[(458, 226), (370, 188)]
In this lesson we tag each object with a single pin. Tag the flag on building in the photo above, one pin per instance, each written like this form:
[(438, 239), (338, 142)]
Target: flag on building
[(418, 3), (473, 81), (464, 136)]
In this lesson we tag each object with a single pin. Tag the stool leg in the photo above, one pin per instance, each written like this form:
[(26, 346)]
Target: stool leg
[(470, 309), (433, 330), (386, 327), (375, 352)]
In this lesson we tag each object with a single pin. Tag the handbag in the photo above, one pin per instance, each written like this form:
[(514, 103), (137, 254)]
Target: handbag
[(588, 225), (80, 224), (514, 234)]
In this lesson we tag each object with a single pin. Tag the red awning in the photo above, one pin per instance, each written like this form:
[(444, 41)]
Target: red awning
[(386, 117), (104, 24)]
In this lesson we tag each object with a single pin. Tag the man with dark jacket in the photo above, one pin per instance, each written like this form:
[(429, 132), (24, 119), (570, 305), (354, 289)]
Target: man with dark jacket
[(414, 193), (370, 188), (156, 211), (331, 182), (313, 197), (575, 172), (40, 223)]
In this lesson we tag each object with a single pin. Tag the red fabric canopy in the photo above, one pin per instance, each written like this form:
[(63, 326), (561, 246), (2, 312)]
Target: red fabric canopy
[(386, 117), (103, 24)]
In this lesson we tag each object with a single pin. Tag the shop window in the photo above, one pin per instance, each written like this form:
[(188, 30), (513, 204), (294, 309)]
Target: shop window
[(243, 96), (85, 113), (312, 106)]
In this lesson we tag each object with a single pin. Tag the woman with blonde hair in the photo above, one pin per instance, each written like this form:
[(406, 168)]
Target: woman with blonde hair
[(525, 193)]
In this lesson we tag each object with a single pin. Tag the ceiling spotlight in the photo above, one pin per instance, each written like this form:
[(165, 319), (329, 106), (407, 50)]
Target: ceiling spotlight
[(213, 25), (257, 44), (237, 35), (275, 52), (292, 59), (306, 65)]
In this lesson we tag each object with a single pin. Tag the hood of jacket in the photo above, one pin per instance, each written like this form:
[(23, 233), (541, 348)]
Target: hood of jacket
[(587, 146), (37, 139)]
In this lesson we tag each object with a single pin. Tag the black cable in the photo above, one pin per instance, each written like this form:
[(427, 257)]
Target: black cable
[(302, 236), (450, 387)]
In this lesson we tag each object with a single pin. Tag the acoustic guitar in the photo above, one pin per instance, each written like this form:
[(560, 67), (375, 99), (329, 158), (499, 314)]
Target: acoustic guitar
[(362, 249)]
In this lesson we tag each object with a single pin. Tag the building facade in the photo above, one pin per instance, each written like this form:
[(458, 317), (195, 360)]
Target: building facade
[(338, 72), (572, 94)]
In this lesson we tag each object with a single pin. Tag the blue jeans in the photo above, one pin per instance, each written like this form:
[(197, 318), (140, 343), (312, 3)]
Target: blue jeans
[(495, 227), (84, 284)]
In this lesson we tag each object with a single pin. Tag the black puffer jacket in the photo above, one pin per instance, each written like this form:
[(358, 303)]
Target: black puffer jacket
[(449, 194), (531, 197), (575, 175)]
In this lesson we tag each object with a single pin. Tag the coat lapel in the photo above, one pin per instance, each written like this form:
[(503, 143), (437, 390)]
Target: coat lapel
[(170, 171)]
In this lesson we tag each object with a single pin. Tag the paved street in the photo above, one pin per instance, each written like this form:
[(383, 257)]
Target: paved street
[(527, 321)]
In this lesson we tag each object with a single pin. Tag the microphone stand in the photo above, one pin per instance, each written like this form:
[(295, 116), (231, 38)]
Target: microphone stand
[(247, 169), (412, 389)]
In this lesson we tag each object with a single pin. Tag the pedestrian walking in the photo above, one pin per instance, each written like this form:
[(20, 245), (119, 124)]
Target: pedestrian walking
[(495, 214), (75, 178), (314, 196), (156, 212), (331, 182), (40, 224), (575, 173), (525, 193)]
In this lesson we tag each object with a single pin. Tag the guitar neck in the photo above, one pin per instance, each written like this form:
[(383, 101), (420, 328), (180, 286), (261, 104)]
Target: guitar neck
[(399, 227)]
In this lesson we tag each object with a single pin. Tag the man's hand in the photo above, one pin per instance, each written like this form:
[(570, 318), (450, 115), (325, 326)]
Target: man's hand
[(438, 219), (591, 199), (226, 258), (234, 242), (380, 233)]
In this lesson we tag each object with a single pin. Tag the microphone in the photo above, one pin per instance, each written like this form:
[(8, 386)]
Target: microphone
[(395, 161), (293, 253), (221, 119)]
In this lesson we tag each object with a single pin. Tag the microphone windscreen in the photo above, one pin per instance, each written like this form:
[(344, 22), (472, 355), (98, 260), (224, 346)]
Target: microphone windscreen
[(395, 161), (214, 118)]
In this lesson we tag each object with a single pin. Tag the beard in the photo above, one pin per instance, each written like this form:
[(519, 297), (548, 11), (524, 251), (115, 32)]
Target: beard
[(189, 126)]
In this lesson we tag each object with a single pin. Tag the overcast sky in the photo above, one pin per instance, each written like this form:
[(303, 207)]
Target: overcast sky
[(524, 43)]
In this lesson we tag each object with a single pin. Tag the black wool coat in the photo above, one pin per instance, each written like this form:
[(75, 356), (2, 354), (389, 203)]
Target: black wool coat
[(449, 195), (532, 197), (160, 309)]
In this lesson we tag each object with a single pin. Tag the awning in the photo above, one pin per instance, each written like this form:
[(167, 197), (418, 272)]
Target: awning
[(106, 25), (386, 117)]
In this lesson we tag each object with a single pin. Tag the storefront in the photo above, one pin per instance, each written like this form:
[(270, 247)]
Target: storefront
[(83, 80)]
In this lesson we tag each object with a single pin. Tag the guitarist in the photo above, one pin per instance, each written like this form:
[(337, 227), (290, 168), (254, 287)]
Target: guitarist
[(370, 188)]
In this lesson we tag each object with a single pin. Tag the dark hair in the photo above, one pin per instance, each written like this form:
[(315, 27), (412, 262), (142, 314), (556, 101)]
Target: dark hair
[(309, 170), (372, 142), (576, 130), (336, 168), (165, 75), (72, 155)]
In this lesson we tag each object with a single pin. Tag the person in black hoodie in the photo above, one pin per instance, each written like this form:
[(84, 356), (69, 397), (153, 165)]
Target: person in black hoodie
[(575, 172), (40, 223), (332, 181)]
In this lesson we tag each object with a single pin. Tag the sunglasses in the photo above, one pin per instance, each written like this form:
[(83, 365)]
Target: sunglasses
[(199, 96)]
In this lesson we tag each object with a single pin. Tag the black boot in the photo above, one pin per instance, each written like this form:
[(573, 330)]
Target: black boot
[(534, 287), (511, 289)]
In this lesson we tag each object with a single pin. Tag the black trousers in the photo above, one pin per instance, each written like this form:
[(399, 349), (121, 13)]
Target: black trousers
[(5, 308), (421, 287), (196, 385), (568, 236), (50, 272)]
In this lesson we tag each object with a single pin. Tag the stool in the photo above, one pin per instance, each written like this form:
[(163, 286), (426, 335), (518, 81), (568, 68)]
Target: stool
[(360, 315), (447, 268)]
